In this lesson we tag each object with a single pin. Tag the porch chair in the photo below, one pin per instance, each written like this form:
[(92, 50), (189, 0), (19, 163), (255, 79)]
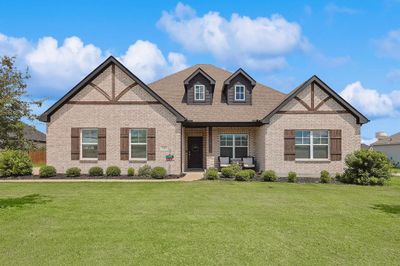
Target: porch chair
[(248, 162), (223, 162)]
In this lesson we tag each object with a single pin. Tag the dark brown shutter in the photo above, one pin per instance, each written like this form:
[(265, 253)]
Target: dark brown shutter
[(124, 141), (289, 145), (75, 142), (151, 144), (102, 144), (336, 144)]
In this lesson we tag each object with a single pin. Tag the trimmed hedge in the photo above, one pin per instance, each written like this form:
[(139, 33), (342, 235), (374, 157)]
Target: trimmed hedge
[(158, 172), (362, 165), (15, 163), (113, 171), (73, 172), (292, 177), (231, 170), (145, 171), (211, 173), (325, 177), (96, 171), (242, 175), (269, 176), (47, 171), (131, 171)]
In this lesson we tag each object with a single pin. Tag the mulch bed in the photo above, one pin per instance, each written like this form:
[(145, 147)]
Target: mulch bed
[(303, 180), (63, 176)]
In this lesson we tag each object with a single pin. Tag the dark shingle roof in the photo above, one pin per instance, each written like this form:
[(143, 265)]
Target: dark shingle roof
[(31, 133)]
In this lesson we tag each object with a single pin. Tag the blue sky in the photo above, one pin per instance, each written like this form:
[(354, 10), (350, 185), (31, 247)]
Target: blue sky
[(353, 46)]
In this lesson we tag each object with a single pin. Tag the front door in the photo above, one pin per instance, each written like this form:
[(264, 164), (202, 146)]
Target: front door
[(195, 152)]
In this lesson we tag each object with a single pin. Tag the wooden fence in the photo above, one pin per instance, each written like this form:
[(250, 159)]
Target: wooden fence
[(38, 156)]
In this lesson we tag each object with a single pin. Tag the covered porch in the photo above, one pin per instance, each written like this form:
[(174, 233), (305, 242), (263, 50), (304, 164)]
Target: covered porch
[(204, 143)]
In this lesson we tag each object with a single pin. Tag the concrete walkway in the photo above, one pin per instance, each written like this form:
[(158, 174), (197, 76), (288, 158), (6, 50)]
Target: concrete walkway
[(190, 176)]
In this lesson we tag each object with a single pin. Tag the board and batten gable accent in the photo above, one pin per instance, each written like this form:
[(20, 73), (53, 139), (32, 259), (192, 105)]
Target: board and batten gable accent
[(199, 79), (151, 144), (336, 144), (75, 143), (289, 145)]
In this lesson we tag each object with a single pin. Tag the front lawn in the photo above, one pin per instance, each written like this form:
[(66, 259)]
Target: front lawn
[(202, 222)]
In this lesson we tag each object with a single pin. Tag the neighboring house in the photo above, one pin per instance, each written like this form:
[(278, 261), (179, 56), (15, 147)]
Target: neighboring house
[(188, 119), (35, 136), (388, 145)]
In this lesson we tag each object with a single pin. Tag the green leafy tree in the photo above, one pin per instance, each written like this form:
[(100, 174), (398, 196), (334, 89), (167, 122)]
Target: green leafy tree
[(14, 105)]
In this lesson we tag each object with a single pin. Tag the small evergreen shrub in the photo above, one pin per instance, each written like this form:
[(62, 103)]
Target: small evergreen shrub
[(292, 177), (15, 163), (145, 171), (338, 177), (113, 171), (47, 171), (131, 171), (252, 173), (73, 172), (231, 170), (269, 176), (211, 173), (242, 175), (373, 181), (325, 177), (362, 165), (96, 171), (158, 172)]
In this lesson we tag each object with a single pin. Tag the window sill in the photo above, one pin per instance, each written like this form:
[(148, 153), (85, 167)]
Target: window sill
[(88, 161), (138, 161), (313, 160)]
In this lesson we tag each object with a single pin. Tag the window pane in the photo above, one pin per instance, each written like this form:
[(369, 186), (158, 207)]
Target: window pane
[(306, 140), (138, 151), (324, 141), (240, 152), (138, 136), (320, 152), (89, 135), (226, 152), (89, 151), (302, 152), (299, 141), (299, 134)]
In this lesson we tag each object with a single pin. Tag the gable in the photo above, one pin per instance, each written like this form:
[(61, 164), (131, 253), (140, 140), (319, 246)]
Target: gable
[(110, 83), (315, 97)]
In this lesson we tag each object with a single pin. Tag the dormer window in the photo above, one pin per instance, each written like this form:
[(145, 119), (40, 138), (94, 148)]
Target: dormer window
[(240, 94), (199, 92)]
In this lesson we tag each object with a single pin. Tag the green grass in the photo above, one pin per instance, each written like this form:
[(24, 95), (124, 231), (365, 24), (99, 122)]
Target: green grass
[(395, 170), (194, 223)]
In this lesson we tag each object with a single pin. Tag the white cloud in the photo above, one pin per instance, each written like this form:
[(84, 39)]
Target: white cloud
[(370, 101), (368, 141), (393, 75), (259, 43), (147, 61), (334, 9), (60, 66), (389, 46)]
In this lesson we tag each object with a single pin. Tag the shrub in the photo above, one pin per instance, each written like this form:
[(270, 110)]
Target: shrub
[(362, 165), (131, 171), (269, 176), (113, 171), (73, 172), (373, 181), (15, 163), (251, 172), (96, 171), (211, 173), (338, 177), (158, 172), (325, 177), (231, 170), (292, 177), (47, 171), (145, 170), (242, 175)]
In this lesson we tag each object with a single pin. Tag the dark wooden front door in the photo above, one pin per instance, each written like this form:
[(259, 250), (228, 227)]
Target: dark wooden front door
[(195, 152)]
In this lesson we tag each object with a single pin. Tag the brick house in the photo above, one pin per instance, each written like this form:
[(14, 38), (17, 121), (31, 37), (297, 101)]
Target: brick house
[(188, 120)]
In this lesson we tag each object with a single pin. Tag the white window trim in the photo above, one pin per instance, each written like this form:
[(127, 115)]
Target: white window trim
[(312, 144), (234, 144), (202, 92), (244, 93), (130, 145), (81, 144)]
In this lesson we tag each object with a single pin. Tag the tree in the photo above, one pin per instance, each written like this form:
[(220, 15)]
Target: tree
[(14, 105)]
